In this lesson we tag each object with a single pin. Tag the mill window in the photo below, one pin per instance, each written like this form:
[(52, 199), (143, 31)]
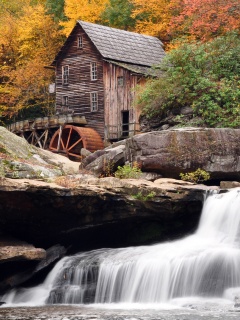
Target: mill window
[(93, 71), (65, 101), (80, 42), (94, 101), (65, 74), (120, 81), (64, 104)]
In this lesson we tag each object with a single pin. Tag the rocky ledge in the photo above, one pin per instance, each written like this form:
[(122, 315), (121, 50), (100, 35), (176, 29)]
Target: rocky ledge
[(87, 212)]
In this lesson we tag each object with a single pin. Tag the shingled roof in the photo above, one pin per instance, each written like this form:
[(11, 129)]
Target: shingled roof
[(120, 45), (124, 46)]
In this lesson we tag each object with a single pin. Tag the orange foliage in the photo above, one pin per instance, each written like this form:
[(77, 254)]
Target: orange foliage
[(204, 19), (28, 42)]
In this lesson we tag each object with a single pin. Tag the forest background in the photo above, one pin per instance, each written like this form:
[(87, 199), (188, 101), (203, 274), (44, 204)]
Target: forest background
[(201, 38)]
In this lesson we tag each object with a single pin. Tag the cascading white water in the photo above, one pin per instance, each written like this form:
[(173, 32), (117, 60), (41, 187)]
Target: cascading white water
[(206, 264)]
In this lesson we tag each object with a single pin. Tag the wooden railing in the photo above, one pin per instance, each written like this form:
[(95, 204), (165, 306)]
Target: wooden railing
[(121, 131)]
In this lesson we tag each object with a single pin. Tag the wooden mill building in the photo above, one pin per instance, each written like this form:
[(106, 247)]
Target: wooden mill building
[(97, 71)]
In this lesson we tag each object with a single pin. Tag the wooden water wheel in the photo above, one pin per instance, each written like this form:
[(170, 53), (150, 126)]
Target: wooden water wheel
[(71, 139)]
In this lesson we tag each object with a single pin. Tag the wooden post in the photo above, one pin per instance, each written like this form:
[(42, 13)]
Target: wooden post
[(59, 138)]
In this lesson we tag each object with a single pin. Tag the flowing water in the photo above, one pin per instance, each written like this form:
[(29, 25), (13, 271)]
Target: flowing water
[(199, 273)]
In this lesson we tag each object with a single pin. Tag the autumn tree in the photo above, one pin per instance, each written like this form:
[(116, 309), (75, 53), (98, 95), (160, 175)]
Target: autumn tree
[(153, 17), (29, 41), (204, 19), (82, 10)]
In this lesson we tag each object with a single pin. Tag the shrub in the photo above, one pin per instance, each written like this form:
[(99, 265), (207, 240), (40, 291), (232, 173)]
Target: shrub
[(140, 196), (203, 76), (128, 171), (196, 176)]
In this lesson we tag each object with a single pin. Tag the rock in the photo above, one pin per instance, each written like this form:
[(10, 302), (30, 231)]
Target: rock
[(165, 127), (168, 181), (19, 159), (229, 184), (177, 118), (237, 302), (52, 254), (150, 176), (176, 151), (15, 250), (85, 153), (98, 212), (14, 275), (171, 152), (186, 111), (92, 157), (107, 161)]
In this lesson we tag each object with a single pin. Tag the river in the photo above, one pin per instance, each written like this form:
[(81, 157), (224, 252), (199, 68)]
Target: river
[(210, 311)]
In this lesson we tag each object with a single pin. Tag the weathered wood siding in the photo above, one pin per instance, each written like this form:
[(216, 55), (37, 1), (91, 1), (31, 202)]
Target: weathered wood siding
[(80, 84), (119, 94)]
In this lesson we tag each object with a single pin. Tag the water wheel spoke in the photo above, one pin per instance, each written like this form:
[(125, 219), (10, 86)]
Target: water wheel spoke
[(45, 139), (69, 136), (72, 146), (62, 143), (74, 155), (29, 137)]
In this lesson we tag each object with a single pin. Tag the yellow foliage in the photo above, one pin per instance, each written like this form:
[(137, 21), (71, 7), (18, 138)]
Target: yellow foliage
[(85, 10), (37, 34), (154, 17)]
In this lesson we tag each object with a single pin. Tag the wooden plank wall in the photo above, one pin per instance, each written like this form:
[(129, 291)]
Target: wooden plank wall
[(119, 98), (80, 83)]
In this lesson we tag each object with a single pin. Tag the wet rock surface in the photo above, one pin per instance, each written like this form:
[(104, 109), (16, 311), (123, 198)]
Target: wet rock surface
[(20, 269), (90, 313)]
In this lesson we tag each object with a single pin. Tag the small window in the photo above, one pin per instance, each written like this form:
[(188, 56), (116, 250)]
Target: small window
[(94, 101), (80, 42), (64, 104), (65, 101), (93, 71), (120, 81), (65, 74)]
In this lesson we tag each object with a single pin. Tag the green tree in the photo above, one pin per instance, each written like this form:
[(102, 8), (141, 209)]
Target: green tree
[(56, 8), (118, 14), (203, 76)]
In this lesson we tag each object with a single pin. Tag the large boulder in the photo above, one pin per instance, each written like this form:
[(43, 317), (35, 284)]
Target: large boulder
[(21, 261), (171, 152), (19, 159), (104, 162), (175, 151)]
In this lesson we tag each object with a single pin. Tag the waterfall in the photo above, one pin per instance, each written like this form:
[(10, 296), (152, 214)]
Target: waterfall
[(205, 264)]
